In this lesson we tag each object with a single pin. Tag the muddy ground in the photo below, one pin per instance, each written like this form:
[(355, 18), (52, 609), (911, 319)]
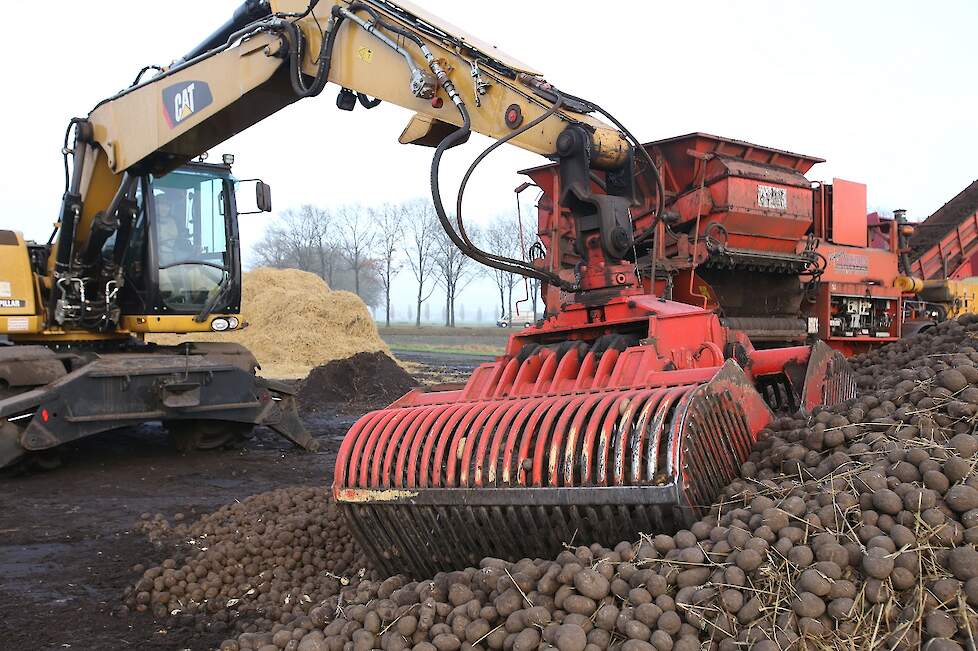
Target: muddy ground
[(66, 536)]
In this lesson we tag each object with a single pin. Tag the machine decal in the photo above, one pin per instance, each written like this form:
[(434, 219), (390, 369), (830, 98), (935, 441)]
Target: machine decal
[(12, 302), (182, 100), (4, 289), (771, 197), (366, 54), (15, 324), (849, 263)]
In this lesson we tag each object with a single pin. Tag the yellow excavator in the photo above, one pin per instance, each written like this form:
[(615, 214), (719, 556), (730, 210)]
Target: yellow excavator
[(147, 238), (619, 411)]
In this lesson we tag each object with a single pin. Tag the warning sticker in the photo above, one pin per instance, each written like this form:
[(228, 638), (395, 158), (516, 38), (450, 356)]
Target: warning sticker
[(366, 54), (769, 196), (15, 324), (4, 289)]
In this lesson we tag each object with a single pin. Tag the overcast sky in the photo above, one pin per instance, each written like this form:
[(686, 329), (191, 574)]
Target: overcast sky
[(885, 91)]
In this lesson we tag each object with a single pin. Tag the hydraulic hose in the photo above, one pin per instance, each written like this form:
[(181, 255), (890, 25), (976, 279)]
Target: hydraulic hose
[(659, 185), (449, 141), (457, 137), (475, 163), (325, 58)]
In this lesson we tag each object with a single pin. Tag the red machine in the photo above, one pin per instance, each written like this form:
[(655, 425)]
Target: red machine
[(745, 233), (621, 411), (613, 418), (941, 264), (945, 245)]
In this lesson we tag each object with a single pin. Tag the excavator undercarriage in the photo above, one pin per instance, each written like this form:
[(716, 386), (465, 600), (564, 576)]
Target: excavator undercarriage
[(206, 395)]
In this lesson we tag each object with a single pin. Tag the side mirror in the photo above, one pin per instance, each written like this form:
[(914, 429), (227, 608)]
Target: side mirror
[(263, 196)]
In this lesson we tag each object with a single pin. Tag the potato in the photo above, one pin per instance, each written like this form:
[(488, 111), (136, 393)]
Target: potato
[(592, 584), (807, 604), (940, 624), (669, 622), (446, 642), (963, 562), (877, 563), (961, 498), (814, 582), (569, 637), (952, 380)]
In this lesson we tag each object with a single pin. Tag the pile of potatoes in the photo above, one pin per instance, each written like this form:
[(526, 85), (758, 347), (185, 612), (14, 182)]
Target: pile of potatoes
[(851, 527), (250, 562)]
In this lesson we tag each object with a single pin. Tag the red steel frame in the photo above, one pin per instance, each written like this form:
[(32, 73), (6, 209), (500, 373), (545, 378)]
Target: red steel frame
[(954, 256)]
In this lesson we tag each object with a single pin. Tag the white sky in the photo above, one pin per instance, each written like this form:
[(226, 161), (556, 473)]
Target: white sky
[(884, 90)]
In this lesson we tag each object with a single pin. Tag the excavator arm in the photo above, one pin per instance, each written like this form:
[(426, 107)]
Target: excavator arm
[(273, 53), (238, 83)]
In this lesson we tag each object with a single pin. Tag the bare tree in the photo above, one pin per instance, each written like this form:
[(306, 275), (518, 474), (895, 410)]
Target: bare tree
[(357, 240), (454, 270), (389, 222), (421, 230), (503, 238), (323, 242), (303, 238), (299, 226), (272, 249), (300, 239)]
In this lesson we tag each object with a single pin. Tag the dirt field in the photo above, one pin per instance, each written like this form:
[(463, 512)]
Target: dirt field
[(66, 540)]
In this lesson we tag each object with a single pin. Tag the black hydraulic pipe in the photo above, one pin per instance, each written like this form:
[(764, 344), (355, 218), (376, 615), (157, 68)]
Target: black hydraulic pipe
[(247, 13), (71, 202), (104, 224)]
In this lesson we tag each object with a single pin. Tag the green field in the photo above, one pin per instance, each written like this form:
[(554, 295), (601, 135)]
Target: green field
[(482, 341)]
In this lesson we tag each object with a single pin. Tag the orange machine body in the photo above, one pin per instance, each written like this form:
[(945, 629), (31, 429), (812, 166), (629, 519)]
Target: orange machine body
[(746, 233)]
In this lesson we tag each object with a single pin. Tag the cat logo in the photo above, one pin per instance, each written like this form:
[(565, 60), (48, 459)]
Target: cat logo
[(12, 303), (182, 100)]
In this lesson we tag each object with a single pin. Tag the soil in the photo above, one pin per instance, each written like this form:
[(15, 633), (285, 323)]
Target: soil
[(67, 543), (66, 539), (369, 380), (276, 301)]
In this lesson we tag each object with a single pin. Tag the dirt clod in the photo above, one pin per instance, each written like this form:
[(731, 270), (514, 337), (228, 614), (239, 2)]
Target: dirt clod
[(365, 380)]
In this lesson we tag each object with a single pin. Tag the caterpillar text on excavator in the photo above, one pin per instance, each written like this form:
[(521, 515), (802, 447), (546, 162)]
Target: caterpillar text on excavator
[(621, 412)]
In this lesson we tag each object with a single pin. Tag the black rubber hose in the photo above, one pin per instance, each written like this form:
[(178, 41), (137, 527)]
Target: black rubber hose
[(366, 102), (355, 6), (325, 58), (142, 72), (659, 185), (454, 138), (475, 163), (312, 5), (64, 149)]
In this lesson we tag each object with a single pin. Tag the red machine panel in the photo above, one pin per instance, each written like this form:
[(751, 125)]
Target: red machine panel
[(849, 225), (858, 265)]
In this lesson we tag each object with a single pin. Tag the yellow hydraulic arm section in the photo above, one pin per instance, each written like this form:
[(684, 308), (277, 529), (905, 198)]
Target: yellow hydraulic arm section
[(240, 87), (274, 52)]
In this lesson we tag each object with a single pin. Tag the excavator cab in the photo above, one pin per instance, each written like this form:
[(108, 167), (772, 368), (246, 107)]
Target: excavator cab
[(172, 265), (186, 258)]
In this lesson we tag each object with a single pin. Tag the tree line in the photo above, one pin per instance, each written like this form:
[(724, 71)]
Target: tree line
[(363, 249)]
